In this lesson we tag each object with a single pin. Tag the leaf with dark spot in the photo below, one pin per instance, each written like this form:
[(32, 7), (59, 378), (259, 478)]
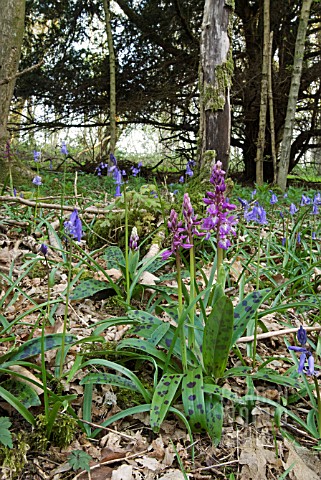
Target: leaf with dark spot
[(193, 399), (163, 398)]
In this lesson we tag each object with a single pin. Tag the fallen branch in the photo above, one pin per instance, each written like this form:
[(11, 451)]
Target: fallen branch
[(275, 333), (50, 206)]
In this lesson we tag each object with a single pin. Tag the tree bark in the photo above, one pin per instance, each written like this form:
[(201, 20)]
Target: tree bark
[(271, 111), (264, 94), (216, 68), (112, 78), (12, 19), (293, 95), (11, 34)]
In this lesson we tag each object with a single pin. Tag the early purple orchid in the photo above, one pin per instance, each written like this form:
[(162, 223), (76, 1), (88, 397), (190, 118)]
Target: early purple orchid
[(218, 208), (133, 240), (179, 236)]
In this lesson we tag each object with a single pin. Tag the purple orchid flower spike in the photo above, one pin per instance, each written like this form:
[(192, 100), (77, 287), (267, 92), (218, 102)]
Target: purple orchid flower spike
[(218, 208), (133, 240), (179, 236)]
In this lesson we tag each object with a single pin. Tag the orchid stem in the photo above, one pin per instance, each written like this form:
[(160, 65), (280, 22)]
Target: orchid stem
[(180, 312), (191, 330)]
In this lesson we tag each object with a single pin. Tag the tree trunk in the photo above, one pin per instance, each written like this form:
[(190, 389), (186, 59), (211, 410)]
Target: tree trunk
[(264, 94), (271, 111), (293, 95), (112, 78), (11, 34), (216, 68)]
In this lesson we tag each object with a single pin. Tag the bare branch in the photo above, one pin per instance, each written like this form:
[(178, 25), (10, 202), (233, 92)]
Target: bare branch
[(19, 74)]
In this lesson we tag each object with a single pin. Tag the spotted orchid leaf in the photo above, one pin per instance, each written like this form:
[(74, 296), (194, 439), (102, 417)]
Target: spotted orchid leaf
[(88, 288), (143, 346), (214, 417), (218, 332), (114, 257), (152, 328), (32, 347), (110, 379), (23, 392), (157, 264), (193, 399), (245, 311), (163, 396)]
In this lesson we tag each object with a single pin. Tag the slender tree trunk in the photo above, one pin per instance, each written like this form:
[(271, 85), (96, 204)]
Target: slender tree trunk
[(271, 111), (293, 95), (264, 94), (216, 68), (112, 78)]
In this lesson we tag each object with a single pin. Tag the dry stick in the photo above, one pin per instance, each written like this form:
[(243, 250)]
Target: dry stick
[(275, 333), (95, 425), (108, 462), (218, 465), (52, 206)]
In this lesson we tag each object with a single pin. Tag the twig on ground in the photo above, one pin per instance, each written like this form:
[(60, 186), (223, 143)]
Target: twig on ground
[(95, 425), (275, 333), (50, 206)]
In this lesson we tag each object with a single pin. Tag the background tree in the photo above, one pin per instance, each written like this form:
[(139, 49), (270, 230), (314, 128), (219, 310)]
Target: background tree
[(157, 45), (112, 77), (216, 68), (264, 94), (293, 95), (11, 34)]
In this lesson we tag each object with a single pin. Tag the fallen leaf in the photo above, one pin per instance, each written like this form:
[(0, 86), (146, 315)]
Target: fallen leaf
[(306, 463), (172, 475), (28, 374), (124, 472)]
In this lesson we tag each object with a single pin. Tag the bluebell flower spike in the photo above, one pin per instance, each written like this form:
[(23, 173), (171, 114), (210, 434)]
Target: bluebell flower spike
[(305, 354)]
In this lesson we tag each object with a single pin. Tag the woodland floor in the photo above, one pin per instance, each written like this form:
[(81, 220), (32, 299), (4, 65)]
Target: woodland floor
[(251, 446)]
